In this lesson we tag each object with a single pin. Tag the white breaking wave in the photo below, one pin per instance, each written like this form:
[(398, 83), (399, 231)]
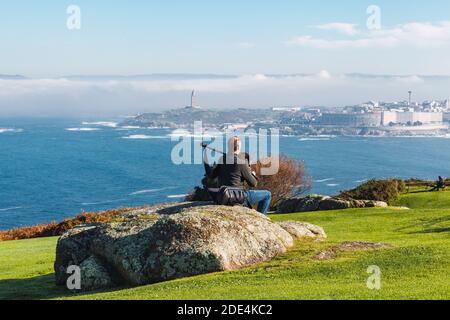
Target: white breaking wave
[(144, 137), (101, 202), (332, 184), (182, 134), (324, 180), (10, 209), (4, 130), (314, 139), (130, 127), (149, 191), (101, 124), (177, 196), (82, 129)]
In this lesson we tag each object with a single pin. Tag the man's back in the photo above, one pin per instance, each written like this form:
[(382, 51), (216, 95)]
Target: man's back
[(233, 172)]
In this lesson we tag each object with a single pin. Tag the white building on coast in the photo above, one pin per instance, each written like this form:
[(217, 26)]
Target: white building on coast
[(410, 117)]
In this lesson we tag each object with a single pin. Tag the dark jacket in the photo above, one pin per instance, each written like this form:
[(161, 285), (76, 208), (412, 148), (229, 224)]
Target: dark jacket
[(232, 174)]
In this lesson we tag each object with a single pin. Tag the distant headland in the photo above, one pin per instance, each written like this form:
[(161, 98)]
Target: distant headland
[(404, 118)]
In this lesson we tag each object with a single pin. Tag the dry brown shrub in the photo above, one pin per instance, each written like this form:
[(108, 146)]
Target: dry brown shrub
[(56, 229), (290, 180)]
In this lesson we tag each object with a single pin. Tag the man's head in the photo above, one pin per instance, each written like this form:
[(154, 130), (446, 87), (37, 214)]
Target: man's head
[(234, 145)]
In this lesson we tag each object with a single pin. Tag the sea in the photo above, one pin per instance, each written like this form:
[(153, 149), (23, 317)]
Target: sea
[(52, 169)]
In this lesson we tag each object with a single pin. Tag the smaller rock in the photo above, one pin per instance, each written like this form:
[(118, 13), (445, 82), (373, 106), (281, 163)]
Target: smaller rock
[(380, 204), (361, 245), (375, 204), (334, 204), (301, 204), (323, 203), (358, 204), (331, 253), (300, 230), (325, 255)]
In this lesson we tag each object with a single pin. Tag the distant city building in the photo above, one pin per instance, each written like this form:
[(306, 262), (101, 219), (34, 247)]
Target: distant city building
[(396, 117), (351, 119), (388, 117), (447, 116), (399, 112), (384, 118), (286, 109), (312, 110), (423, 117), (235, 126)]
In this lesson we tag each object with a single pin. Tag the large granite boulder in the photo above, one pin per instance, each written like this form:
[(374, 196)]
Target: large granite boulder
[(167, 242), (323, 203)]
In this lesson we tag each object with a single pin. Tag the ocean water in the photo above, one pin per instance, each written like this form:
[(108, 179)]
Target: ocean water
[(54, 169)]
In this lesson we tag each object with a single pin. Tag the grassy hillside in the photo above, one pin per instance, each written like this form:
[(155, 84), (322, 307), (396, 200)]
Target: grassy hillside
[(417, 267), (421, 199)]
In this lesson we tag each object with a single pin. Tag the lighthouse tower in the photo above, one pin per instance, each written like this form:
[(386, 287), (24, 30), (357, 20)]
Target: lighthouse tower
[(193, 99), (192, 105)]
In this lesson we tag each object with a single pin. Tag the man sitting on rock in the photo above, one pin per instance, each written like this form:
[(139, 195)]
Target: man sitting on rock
[(232, 172)]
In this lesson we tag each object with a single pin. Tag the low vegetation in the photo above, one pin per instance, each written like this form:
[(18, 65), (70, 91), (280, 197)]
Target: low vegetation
[(57, 229), (415, 267), (378, 190)]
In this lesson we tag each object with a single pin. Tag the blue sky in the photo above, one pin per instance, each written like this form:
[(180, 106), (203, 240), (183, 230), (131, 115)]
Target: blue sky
[(321, 41), (231, 37)]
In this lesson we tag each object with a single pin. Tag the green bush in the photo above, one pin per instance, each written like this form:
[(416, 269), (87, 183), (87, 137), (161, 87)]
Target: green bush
[(377, 190)]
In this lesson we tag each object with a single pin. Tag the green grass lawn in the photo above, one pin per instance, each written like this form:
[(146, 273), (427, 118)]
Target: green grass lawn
[(417, 267), (420, 198)]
